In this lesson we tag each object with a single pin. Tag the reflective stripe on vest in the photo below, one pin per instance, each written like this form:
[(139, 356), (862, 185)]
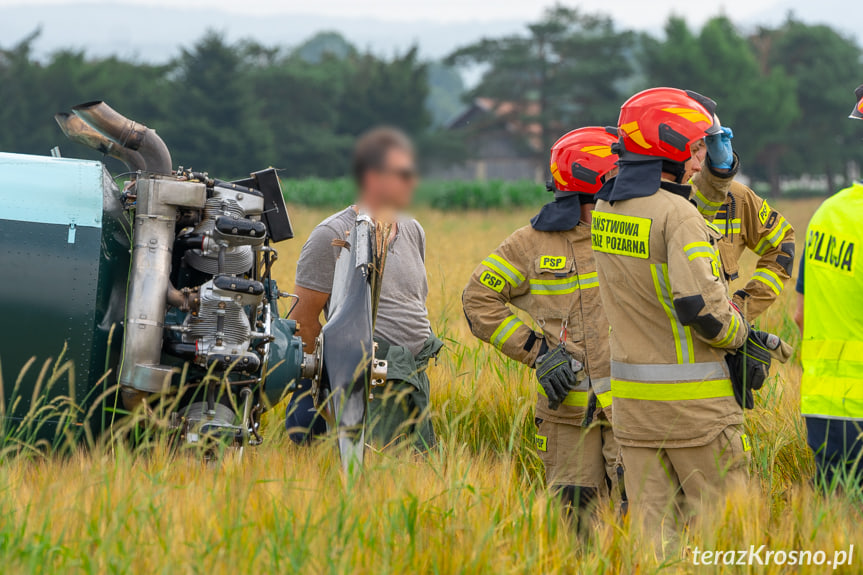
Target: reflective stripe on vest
[(505, 269), (733, 328), (505, 330), (682, 334), (602, 389), (766, 276), (564, 286), (699, 250), (580, 396), (774, 238), (574, 399), (728, 228), (832, 379), (601, 385), (707, 207), (605, 399), (669, 382), (664, 372)]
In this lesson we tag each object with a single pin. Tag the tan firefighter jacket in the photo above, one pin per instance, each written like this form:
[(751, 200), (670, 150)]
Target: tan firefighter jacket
[(746, 221), (551, 276), (666, 300)]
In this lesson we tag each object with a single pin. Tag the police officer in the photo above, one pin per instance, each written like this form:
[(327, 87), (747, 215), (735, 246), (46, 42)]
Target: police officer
[(832, 348), (675, 414), (547, 270), (746, 222)]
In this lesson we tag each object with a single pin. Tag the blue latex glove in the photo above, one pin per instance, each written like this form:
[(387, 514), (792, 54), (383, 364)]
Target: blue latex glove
[(719, 149)]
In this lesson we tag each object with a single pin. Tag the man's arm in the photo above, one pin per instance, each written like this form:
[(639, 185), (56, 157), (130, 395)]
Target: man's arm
[(314, 282), (498, 279), (798, 314), (700, 296), (769, 235), (307, 313)]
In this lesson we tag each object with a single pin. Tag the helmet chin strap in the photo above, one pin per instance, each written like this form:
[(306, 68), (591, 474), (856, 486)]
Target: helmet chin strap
[(559, 195), (583, 198), (676, 169)]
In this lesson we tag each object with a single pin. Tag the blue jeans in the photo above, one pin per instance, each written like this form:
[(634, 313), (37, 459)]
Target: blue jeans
[(837, 447), (301, 418)]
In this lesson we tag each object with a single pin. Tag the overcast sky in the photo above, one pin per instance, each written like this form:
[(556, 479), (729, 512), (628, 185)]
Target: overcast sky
[(155, 30), (634, 13)]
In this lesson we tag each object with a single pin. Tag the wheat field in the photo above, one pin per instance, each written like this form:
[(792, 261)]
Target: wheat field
[(475, 504)]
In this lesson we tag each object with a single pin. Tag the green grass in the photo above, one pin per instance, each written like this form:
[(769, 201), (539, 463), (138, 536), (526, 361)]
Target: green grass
[(438, 194)]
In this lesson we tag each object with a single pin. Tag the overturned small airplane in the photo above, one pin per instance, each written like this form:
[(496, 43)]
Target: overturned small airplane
[(162, 288)]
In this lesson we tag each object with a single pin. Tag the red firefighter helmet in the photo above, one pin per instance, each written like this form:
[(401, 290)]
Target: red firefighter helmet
[(663, 123), (581, 158), (857, 112)]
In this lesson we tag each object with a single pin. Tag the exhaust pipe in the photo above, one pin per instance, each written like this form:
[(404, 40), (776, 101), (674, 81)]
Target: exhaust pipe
[(79, 131), (158, 200), (128, 134)]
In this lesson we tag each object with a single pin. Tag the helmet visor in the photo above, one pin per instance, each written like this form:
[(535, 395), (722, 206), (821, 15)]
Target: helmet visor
[(714, 129), (857, 112)]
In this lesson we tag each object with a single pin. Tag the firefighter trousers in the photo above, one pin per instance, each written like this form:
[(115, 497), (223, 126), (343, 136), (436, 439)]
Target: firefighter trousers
[(666, 486), (579, 456)]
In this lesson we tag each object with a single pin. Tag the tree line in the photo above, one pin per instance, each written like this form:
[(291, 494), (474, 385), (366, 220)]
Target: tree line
[(228, 108), (786, 91), (235, 107)]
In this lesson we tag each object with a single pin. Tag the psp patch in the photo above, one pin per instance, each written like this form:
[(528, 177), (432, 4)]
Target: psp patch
[(764, 213), (552, 263), (747, 445), (491, 280), (541, 442), (621, 235)]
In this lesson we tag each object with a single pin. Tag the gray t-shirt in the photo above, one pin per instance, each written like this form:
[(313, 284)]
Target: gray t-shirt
[(402, 314)]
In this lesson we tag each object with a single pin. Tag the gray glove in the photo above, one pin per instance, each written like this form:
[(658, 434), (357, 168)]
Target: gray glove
[(749, 366), (780, 350), (554, 370)]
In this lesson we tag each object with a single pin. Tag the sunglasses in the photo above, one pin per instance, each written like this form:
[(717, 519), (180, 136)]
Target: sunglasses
[(405, 174)]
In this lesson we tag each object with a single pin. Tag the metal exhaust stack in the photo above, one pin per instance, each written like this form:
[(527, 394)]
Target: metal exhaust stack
[(128, 134), (98, 126), (149, 281), (79, 131)]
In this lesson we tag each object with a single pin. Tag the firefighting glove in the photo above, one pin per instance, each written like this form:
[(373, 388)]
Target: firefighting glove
[(556, 374), (719, 149), (749, 366)]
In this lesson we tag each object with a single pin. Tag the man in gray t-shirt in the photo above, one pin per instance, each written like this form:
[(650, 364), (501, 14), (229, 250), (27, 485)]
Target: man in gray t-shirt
[(384, 170), (402, 316)]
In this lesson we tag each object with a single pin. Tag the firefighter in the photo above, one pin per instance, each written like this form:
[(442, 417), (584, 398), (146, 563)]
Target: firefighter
[(746, 222), (676, 415), (547, 270), (832, 324)]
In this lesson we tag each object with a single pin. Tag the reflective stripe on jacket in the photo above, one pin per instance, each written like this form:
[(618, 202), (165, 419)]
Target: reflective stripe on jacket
[(666, 300), (832, 350), (552, 278), (746, 221)]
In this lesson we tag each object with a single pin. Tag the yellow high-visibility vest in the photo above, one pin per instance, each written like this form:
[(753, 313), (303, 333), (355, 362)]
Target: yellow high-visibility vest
[(832, 350)]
